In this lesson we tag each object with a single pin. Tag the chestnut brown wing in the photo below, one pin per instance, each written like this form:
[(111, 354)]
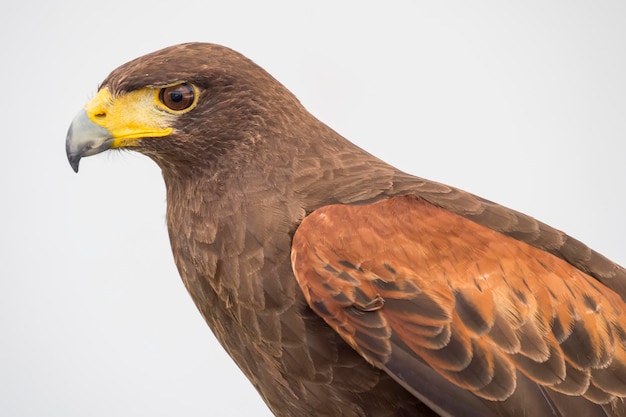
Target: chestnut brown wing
[(449, 307)]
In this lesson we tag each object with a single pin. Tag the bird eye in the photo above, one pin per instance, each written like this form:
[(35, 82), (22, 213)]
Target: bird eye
[(177, 97)]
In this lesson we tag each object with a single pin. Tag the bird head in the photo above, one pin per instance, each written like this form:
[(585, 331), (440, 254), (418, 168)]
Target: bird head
[(186, 104)]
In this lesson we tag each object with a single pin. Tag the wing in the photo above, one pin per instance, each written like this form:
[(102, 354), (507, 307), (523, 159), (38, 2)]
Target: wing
[(462, 316)]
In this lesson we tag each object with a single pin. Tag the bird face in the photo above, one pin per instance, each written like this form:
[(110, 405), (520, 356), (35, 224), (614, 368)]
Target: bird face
[(109, 121), (189, 105)]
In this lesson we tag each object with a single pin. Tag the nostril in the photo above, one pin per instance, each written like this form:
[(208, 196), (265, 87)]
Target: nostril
[(100, 115)]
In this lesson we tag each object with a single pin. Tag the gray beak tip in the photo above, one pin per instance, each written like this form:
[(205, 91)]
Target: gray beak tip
[(85, 138), (73, 158)]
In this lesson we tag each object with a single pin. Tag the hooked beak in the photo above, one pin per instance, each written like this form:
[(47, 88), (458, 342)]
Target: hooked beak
[(109, 122), (85, 138)]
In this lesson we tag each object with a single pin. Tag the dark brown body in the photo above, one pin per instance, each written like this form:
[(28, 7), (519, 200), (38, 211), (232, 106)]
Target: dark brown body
[(237, 268)]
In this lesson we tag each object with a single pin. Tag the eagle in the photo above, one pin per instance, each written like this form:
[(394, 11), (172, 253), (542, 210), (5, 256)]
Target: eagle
[(343, 286)]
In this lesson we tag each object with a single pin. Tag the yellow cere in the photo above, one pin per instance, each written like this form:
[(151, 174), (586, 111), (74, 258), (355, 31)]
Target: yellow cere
[(130, 116)]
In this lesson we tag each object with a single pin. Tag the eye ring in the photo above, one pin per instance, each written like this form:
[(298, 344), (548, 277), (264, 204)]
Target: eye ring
[(178, 97)]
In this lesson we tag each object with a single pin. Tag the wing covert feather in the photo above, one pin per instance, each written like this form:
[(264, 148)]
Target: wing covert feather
[(479, 308)]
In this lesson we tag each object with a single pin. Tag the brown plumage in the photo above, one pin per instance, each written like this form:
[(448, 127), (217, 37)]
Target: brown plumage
[(342, 286)]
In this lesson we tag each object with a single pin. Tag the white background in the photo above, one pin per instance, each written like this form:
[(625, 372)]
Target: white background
[(524, 105)]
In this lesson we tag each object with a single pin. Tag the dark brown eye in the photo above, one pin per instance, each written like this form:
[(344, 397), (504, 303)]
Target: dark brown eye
[(177, 97)]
